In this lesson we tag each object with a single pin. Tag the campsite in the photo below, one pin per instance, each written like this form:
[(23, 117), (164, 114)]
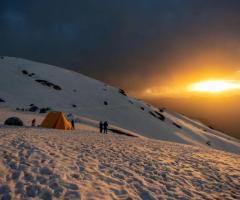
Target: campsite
[(120, 100), (50, 160), (47, 163)]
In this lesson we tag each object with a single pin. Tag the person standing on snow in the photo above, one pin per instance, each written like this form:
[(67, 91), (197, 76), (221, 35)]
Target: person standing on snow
[(105, 127), (100, 126), (34, 122), (71, 119)]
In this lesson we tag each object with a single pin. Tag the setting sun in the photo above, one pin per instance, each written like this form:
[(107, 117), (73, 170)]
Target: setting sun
[(214, 86)]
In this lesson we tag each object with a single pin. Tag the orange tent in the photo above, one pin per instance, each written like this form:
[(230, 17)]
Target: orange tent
[(56, 120)]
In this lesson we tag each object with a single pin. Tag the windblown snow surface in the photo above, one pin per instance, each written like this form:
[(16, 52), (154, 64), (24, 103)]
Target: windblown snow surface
[(83, 164)]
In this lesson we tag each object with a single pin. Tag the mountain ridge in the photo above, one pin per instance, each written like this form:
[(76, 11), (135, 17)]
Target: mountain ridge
[(24, 82)]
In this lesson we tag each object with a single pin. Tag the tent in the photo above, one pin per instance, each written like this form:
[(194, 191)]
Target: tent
[(56, 120), (13, 121)]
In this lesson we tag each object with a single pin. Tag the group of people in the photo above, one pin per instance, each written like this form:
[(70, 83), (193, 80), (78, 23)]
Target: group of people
[(103, 127)]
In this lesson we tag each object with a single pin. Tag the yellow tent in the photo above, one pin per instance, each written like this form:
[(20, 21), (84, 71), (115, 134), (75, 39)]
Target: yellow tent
[(56, 120)]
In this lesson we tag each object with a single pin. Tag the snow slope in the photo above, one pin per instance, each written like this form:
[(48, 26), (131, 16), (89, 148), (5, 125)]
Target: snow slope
[(89, 96), (38, 163)]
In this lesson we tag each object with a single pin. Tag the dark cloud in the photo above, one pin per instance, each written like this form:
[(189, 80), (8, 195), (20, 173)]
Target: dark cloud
[(119, 41)]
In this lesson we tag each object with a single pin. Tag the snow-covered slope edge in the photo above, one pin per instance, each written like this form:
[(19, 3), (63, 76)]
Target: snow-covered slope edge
[(24, 82)]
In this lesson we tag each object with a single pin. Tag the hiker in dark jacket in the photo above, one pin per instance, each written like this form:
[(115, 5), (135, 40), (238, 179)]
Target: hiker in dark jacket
[(34, 122), (100, 126), (73, 124), (70, 118), (105, 126)]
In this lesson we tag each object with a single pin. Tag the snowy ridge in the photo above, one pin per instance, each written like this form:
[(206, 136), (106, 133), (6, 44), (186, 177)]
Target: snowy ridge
[(24, 82)]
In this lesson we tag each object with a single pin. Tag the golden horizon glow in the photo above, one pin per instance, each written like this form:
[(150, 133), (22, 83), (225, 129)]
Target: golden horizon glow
[(203, 83), (205, 87), (214, 86)]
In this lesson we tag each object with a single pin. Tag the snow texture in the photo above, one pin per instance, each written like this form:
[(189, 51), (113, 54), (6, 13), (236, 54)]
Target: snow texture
[(83, 164)]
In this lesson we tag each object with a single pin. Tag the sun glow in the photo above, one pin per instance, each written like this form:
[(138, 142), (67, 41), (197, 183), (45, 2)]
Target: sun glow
[(214, 86)]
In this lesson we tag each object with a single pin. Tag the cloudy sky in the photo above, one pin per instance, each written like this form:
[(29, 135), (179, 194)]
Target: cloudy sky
[(138, 45)]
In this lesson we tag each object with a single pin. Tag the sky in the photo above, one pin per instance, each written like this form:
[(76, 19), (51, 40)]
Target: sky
[(146, 47)]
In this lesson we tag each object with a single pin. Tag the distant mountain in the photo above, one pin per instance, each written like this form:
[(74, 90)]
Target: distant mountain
[(25, 83), (219, 112)]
